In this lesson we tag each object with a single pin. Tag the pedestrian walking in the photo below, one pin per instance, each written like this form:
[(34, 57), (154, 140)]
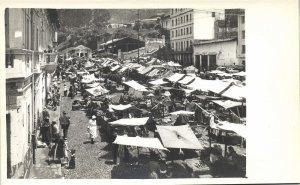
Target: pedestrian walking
[(92, 129), (64, 123), (54, 131), (65, 90)]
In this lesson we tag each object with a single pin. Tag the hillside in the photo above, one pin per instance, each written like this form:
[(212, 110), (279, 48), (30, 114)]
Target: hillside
[(83, 26)]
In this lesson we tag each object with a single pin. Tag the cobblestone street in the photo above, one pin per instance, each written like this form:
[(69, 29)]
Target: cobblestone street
[(88, 164)]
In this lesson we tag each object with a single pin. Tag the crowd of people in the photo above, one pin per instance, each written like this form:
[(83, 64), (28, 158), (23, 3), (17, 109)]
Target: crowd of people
[(156, 103)]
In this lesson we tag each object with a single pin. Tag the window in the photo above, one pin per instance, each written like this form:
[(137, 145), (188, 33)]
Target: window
[(187, 43), (213, 14), (176, 33), (190, 17), (172, 45), (172, 22), (181, 21), (243, 49), (181, 32), (187, 18), (9, 61), (172, 11), (187, 30), (243, 34), (243, 19), (172, 33), (176, 22), (181, 45), (190, 30)]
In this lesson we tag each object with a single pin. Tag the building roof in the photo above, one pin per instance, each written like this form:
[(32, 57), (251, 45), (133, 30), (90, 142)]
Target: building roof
[(81, 47), (200, 42)]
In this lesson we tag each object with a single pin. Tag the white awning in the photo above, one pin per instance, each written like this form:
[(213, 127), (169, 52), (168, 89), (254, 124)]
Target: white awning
[(228, 103), (178, 137), (235, 92), (158, 82), (139, 142), (176, 77), (183, 112), (242, 73), (136, 86), (97, 91), (115, 67), (119, 107), (238, 128), (186, 80), (130, 121)]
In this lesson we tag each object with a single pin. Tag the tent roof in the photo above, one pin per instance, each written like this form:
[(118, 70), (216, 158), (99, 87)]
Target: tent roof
[(158, 82), (135, 85), (186, 80), (123, 69), (97, 91), (242, 73), (140, 142), (115, 67), (176, 77), (146, 70), (178, 137), (130, 121), (238, 128), (182, 112), (119, 107), (191, 68), (227, 103), (154, 72), (89, 79), (235, 92), (95, 84), (217, 86)]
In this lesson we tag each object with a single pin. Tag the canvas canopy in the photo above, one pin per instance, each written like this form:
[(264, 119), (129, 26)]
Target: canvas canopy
[(182, 112), (130, 121), (140, 69), (139, 142), (89, 64), (97, 91), (154, 72), (186, 80), (227, 104), (178, 137), (235, 92), (123, 69), (119, 107), (217, 86), (69, 59), (115, 67), (95, 84), (173, 64), (238, 128), (136, 86), (146, 70), (242, 73), (158, 82), (176, 77)]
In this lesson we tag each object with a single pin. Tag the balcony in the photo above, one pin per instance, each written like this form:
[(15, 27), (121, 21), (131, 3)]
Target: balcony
[(50, 63)]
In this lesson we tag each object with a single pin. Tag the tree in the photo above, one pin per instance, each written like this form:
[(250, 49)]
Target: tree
[(121, 33)]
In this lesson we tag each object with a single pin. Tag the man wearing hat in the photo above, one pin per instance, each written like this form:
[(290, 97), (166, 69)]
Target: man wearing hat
[(64, 123)]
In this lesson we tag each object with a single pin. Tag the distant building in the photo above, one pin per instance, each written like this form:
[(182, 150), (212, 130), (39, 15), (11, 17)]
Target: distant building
[(241, 51), (78, 51), (190, 24), (30, 40), (165, 22), (212, 53), (124, 44)]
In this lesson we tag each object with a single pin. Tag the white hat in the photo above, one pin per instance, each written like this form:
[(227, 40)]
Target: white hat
[(93, 117)]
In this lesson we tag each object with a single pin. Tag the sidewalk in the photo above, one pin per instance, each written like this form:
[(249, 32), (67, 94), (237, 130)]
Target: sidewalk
[(41, 169)]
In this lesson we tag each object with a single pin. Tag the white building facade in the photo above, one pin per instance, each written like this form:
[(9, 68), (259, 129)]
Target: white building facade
[(210, 54)]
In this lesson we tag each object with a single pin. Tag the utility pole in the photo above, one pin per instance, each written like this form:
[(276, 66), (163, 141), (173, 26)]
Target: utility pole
[(138, 30)]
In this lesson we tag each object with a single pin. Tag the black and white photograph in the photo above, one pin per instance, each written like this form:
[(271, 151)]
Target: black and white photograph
[(125, 93)]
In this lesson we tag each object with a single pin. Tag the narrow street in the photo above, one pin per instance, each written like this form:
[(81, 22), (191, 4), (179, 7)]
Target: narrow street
[(87, 154)]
